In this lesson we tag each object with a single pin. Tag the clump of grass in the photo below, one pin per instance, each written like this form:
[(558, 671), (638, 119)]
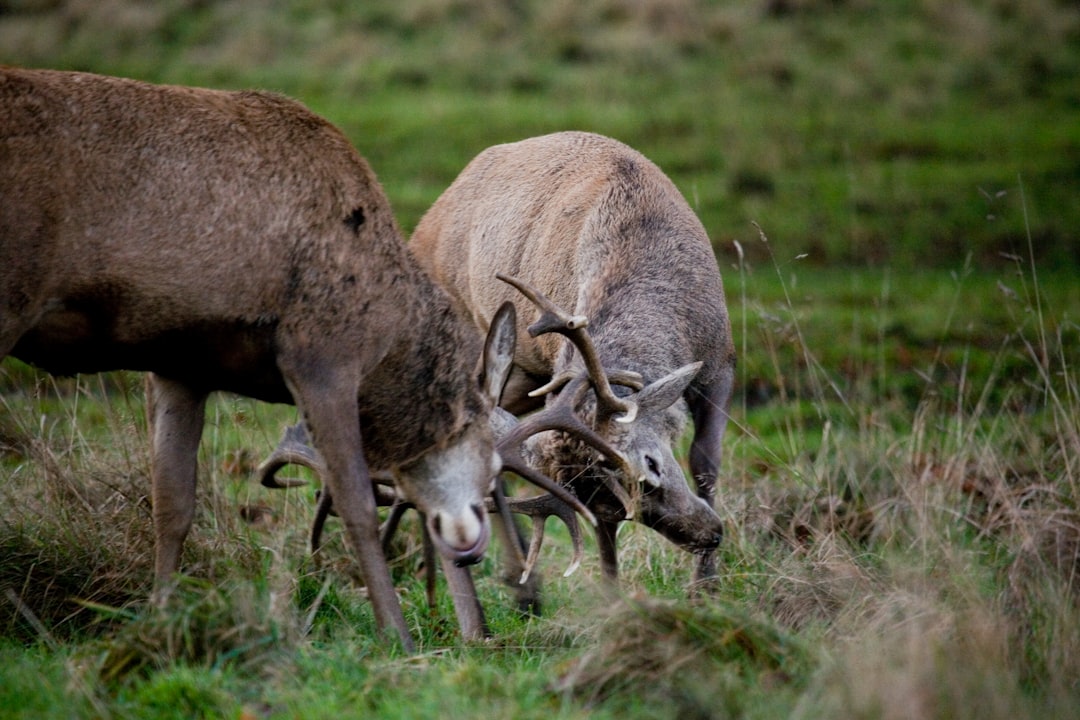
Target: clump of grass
[(689, 656), (204, 624), (185, 693), (915, 652), (72, 534)]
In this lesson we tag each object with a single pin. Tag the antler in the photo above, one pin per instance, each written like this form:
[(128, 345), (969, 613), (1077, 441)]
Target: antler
[(572, 327), (540, 509), (558, 415), (569, 389), (295, 448)]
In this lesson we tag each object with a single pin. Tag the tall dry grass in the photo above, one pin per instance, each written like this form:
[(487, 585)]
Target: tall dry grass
[(881, 560), (916, 563)]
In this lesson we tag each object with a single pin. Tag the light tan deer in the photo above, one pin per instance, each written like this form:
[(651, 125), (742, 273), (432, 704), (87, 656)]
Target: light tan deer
[(235, 241), (595, 226)]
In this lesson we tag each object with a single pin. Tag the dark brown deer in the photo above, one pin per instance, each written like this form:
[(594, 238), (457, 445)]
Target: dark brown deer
[(596, 227), (234, 241)]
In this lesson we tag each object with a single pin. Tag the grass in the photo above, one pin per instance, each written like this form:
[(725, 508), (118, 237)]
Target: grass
[(900, 482), (889, 553)]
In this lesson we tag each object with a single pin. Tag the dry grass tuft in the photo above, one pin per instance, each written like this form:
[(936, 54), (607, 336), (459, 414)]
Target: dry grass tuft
[(913, 655), (814, 585), (696, 655), (72, 536), (76, 532)]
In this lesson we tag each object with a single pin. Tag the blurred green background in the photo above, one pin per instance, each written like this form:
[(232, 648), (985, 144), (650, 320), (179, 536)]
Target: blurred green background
[(908, 134)]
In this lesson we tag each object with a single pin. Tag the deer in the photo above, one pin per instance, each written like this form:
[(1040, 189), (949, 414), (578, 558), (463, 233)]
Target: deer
[(578, 220), (236, 242), (511, 434)]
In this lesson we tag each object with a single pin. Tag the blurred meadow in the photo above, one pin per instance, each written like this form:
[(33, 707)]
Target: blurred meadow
[(893, 193)]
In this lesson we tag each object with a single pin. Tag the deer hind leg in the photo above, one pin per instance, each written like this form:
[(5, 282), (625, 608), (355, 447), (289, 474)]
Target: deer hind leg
[(709, 408), (176, 414)]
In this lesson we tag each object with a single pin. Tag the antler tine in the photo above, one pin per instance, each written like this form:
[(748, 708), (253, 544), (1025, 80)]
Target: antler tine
[(573, 328), (560, 415), (385, 496), (552, 317), (553, 385), (324, 508), (540, 509), (626, 378), (294, 449)]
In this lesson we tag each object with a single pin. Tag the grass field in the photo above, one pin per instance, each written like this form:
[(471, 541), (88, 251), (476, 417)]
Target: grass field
[(918, 132), (901, 479)]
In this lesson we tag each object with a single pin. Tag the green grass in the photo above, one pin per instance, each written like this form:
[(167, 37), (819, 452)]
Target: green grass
[(890, 551), (889, 134)]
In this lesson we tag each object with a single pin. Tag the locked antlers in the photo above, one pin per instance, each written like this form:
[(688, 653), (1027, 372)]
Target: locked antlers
[(295, 448), (557, 415), (573, 328), (560, 413), (569, 390)]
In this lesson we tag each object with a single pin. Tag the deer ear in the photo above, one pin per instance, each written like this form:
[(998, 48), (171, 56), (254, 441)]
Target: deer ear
[(661, 394), (499, 351)]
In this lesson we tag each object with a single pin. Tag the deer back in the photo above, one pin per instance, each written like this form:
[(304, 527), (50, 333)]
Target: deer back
[(192, 232), (597, 227)]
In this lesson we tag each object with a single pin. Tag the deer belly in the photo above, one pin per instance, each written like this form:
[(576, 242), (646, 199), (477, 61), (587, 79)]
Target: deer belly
[(231, 355)]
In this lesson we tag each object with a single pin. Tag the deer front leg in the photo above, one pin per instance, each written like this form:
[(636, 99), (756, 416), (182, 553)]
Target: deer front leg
[(605, 543), (176, 414), (710, 413), (330, 411), (470, 614)]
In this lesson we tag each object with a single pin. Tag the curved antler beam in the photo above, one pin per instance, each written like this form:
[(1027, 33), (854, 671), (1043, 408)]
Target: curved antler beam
[(572, 327), (293, 449)]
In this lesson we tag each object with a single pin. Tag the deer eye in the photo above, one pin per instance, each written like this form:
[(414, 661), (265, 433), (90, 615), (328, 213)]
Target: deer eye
[(651, 464)]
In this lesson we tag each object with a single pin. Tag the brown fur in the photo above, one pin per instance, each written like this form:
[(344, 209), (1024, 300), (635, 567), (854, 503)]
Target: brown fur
[(235, 241)]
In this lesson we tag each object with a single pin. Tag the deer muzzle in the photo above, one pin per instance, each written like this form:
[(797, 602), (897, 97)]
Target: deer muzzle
[(460, 537)]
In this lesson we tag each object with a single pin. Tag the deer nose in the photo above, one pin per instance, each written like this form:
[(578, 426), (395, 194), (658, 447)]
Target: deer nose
[(462, 538)]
